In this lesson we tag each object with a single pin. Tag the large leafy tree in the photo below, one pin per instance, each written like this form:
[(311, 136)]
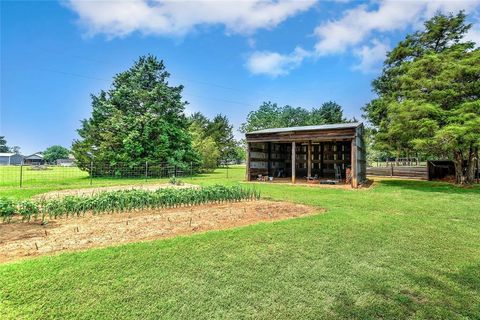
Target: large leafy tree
[(428, 95), (221, 131), (329, 112), (53, 153), (204, 145), (140, 118), (270, 115), (3, 144)]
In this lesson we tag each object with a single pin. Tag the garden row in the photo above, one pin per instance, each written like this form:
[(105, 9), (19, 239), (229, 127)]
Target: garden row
[(123, 201)]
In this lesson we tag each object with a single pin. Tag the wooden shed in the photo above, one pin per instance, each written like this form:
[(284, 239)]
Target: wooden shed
[(334, 151)]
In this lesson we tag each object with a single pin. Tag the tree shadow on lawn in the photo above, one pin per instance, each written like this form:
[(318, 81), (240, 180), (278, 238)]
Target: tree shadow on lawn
[(430, 186), (442, 297)]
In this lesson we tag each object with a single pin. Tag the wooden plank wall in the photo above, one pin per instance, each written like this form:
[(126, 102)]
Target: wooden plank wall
[(414, 172)]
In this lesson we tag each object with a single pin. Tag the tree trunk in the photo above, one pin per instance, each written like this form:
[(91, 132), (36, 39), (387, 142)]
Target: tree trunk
[(471, 164), (458, 161)]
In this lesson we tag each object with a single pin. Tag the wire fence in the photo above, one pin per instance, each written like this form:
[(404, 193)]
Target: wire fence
[(94, 173)]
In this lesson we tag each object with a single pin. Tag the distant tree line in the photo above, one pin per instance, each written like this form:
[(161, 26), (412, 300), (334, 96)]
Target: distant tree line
[(5, 148), (270, 115), (213, 140)]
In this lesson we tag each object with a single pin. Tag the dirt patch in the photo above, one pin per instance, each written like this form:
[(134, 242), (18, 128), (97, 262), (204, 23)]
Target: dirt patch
[(92, 191), (20, 240)]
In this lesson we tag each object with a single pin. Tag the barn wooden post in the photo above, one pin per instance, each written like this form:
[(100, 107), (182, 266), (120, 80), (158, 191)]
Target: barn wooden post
[(248, 177), (354, 163), (293, 162), (309, 159)]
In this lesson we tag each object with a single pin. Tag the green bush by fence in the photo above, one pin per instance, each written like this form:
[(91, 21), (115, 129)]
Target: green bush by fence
[(123, 200)]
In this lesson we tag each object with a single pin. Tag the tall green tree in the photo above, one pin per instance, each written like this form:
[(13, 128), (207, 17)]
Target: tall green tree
[(204, 145), (329, 112), (428, 95), (3, 145), (221, 131), (53, 153), (140, 118)]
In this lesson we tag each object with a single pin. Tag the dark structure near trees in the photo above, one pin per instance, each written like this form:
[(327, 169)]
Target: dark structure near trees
[(332, 151)]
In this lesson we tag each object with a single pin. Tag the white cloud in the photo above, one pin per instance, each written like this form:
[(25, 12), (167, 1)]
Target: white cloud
[(474, 35), (357, 24), (371, 56), (275, 64), (167, 17)]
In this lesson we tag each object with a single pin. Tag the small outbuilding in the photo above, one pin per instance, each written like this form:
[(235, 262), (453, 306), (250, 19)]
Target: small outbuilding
[(10, 158), (34, 159), (329, 153)]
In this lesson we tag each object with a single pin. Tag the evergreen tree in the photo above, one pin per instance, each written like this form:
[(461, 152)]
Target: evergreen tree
[(140, 118)]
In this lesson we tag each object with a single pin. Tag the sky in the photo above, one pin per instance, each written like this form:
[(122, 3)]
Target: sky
[(229, 55)]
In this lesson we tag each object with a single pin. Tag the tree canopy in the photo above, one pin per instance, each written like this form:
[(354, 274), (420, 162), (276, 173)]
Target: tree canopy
[(53, 153), (270, 115), (140, 118), (217, 133), (3, 145), (428, 95)]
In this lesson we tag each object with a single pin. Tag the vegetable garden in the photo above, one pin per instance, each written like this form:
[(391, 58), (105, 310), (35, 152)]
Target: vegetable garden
[(122, 201)]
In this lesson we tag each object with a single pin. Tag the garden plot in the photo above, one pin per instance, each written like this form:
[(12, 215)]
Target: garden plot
[(19, 240)]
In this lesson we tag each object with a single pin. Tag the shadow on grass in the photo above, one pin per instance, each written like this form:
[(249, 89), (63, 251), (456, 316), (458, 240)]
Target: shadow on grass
[(430, 186)]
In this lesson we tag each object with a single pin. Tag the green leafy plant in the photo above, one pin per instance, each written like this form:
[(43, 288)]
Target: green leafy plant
[(175, 181), (27, 209), (7, 209)]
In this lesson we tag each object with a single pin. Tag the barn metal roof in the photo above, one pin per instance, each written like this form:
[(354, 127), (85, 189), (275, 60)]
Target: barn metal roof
[(6, 154), (350, 125)]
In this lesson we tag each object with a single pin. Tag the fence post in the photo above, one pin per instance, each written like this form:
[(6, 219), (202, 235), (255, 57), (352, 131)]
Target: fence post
[(191, 169), (391, 174), (175, 171), (227, 170), (146, 171), (91, 172), (21, 174)]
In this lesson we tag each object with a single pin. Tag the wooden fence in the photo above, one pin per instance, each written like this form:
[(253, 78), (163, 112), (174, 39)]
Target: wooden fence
[(414, 172)]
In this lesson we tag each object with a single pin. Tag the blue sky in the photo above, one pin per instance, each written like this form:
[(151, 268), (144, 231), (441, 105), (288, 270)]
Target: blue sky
[(230, 56)]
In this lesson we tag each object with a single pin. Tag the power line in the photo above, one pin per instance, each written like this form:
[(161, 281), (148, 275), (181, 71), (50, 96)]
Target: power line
[(109, 80)]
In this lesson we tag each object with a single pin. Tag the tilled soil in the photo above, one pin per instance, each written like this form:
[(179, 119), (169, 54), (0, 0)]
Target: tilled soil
[(20, 240)]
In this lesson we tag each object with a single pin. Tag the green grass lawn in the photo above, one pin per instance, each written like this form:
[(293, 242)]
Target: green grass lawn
[(401, 249), (59, 178)]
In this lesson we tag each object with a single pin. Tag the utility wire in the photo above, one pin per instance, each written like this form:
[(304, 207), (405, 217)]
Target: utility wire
[(109, 80)]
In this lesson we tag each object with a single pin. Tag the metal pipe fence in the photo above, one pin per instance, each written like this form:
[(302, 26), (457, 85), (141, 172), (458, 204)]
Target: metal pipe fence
[(94, 173)]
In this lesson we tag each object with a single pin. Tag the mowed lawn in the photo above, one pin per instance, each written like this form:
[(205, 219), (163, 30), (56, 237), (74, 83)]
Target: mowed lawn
[(401, 249), (58, 178)]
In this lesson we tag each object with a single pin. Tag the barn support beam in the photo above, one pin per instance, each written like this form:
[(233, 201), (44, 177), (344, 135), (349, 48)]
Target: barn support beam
[(248, 177), (293, 161), (309, 159), (354, 164)]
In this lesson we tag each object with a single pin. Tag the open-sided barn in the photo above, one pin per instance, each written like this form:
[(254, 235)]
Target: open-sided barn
[(333, 151)]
